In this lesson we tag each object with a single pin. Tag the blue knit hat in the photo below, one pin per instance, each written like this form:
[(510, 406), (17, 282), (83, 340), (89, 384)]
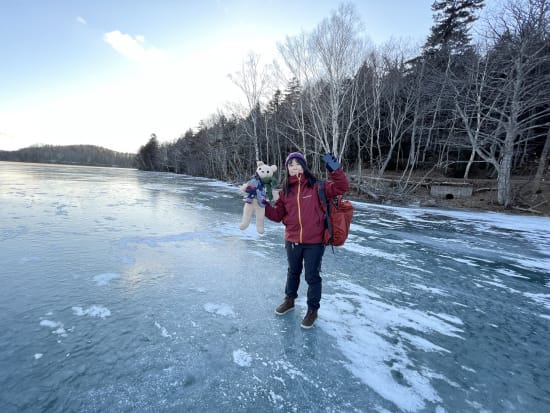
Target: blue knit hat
[(297, 155)]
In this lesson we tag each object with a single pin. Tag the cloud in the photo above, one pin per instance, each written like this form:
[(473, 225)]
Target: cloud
[(130, 47), (81, 20), (160, 92)]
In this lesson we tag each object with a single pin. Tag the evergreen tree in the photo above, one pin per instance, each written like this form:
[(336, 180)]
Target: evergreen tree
[(148, 155), (453, 19)]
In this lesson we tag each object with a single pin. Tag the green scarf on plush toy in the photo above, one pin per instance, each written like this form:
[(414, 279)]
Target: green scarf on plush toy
[(270, 183)]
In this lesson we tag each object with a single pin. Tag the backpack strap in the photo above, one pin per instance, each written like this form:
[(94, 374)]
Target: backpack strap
[(326, 207)]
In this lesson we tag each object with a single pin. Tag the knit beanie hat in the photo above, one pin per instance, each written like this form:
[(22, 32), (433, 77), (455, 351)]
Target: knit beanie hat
[(297, 155)]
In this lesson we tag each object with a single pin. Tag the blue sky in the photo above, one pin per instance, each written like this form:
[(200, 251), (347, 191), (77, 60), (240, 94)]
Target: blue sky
[(110, 73)]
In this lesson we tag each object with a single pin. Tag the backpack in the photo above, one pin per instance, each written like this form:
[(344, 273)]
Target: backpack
[(338, 215)]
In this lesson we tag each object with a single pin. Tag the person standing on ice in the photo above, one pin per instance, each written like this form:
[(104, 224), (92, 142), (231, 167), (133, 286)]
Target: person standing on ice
[(299, 208)]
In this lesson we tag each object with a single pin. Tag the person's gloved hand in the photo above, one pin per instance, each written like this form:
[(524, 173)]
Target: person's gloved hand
[(331, 162)]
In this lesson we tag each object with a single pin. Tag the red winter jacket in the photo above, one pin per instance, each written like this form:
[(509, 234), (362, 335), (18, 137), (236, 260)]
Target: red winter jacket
[(300, 209)]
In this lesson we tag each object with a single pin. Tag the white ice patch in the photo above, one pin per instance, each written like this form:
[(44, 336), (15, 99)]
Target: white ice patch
[(219, 309), (104, 279), (510, 273), (422, 343), (56, 326), (93, 311), (289, 369), (500, 284), (415, 268), (359, 228), (539, 264), (432, 290), (276, 398), (464, 261), (447, 317), (376, 338), (543, 299), (532, 229), (50, 324), (38, 356), (163, 330), (242, 358), (367, 251)]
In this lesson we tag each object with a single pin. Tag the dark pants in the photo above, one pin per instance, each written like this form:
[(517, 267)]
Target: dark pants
[(308, 257)]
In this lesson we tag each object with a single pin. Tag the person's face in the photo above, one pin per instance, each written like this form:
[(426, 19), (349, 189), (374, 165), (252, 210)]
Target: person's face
[(294, 168)]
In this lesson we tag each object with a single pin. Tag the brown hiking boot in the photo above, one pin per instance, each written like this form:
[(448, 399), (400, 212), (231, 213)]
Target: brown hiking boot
[(285, 307), (309, 318)]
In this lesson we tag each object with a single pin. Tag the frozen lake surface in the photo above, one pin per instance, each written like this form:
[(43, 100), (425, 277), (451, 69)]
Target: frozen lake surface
[(126, 291)]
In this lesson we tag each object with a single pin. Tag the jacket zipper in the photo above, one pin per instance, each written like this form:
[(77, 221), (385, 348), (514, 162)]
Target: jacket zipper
[(299, 206)]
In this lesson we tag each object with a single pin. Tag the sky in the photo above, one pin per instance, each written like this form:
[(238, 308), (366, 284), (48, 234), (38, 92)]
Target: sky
[(111, 73)]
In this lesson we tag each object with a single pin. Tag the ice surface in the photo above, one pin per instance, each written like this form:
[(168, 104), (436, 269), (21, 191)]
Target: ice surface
[(133, 291)]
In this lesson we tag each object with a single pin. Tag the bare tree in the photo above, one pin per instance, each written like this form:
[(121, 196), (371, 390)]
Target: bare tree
[(543, 162), (506, 99), (253, 79), (298, 60), (325, 62)]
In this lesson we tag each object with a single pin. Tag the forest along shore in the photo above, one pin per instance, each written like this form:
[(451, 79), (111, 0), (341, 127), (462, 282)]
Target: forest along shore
[(393, 190)]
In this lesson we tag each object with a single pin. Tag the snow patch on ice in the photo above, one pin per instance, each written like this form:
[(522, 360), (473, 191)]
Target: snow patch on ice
[(104, 279), (224, 310), (432, 290), (422, 343), (242, 358), (276, 398), (362, 250), (447, 317), (370, 334), (360, 228), (500, 284), (288, 368), (38, 356), (510, 273), (464, 261), (163, 331), (56, 326), (543, 299), (415, 268), (93, 311), (538, 264)]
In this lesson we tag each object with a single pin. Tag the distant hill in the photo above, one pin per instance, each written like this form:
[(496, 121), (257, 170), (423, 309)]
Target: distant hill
[(71, 154)]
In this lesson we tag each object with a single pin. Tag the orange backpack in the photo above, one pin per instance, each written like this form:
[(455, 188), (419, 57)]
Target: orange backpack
[(338, 215)]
